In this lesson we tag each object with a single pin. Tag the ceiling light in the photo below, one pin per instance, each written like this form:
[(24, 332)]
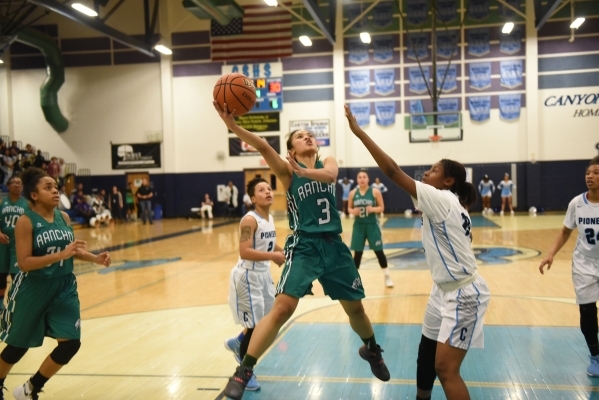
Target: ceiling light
[(163, 49), (365, 37), (507, 28), (305, 40), (577, 22), (272, 3), (85, 10)]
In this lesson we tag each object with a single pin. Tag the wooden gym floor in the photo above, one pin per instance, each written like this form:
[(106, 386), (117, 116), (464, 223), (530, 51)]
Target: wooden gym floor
[(154, 323)]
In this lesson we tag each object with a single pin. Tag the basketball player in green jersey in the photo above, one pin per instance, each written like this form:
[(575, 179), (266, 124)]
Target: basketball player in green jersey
[(43, 299), (313, 251), (365, 203), (11, 209)]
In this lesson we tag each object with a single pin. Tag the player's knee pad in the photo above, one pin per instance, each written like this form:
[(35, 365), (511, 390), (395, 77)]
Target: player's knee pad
[(3, 277), (425, 371), (358, 258), (382, 258), (66, 350), (12, 355)]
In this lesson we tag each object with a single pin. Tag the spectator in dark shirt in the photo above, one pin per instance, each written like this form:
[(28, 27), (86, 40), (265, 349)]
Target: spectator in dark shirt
[(115, 203), (39, 160), (54, 169), (144, 196)]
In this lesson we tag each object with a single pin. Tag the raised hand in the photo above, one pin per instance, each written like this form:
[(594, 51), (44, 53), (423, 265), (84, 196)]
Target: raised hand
[(547, 261), (226, 116), (4, 239), (103, 259), (75, 248), (353, 123), (295, 166)]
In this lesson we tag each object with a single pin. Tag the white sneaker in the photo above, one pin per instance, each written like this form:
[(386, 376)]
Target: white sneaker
[(512, 212), (501, 213), (388, 282), (25, 392)]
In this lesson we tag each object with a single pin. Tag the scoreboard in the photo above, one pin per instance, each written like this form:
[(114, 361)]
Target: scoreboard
[(269, 95)]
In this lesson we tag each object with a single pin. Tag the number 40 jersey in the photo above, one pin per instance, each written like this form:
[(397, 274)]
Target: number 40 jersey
[(584, 215), (11, 211)]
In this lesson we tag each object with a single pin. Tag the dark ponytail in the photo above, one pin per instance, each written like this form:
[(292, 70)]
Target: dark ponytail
[(30, 178), (465, 190)]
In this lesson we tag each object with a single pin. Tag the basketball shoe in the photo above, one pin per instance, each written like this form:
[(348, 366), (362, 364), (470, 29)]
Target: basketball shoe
[(593, 369), (26, 392), (253, 384), (233, 346), (238, 382), (377, 364)]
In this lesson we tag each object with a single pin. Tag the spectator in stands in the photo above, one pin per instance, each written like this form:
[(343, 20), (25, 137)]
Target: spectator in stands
[(14, 153), (247, 204), (207, 205), (78, 195), (115, 203), (231, 194), (130, 200), (62, 171), (39, 160), (8, 163), (54, 169), (144, 198), (14, 145), (83, 209)]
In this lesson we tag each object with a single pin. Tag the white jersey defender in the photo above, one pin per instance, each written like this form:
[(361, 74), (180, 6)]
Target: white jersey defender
[(459, 298), (251, 288), (584, 216)]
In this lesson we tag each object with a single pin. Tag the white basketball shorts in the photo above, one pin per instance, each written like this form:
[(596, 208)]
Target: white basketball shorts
[(585, 276), (251, 295), (457, 315)]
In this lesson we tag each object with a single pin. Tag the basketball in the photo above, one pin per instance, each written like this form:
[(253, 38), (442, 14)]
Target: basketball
[(237, 90)]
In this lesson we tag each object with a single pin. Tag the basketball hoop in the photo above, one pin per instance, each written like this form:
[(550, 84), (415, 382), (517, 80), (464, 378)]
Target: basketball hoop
[(435, 138)]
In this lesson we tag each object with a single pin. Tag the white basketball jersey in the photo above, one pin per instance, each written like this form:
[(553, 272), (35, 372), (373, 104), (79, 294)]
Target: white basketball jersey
[(584, 215), (265, 239), (446, 229)]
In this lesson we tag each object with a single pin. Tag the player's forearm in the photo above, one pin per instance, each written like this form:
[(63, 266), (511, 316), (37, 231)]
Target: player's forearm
[(86, 256), (559, 242), (255, 255), (378, 209), (249, 137), (323, 175), (32, 263)]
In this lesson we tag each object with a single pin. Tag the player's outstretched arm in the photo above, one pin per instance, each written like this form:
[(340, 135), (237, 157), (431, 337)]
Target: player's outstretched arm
[(247, 228), (559, 242), (327, 174), (384, 161)]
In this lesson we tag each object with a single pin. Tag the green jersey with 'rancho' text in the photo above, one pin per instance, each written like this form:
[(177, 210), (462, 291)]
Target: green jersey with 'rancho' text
[(11, 211), (312, 205), (362, 201), (48, 238)]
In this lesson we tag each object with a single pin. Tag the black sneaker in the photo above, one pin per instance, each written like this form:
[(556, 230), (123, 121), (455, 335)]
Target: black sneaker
[(238, 382), (377, 364)]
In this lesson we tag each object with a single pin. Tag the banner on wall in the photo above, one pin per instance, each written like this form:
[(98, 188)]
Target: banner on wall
[(480, 108), (383, 48), (239, 148), (479, 42), (418, 82), (359, 83), (509, 106), (135, 155), (511, 73), (416, 107), (259, 122), (446, 43), (448, 105), (362, 112), (385, 112), (417, 11), (446, 76), (382, 14), (358, 51), (384, 81), (447, 10), (417, 46), (478, 10), (319, 127), (353, 11), (480, 75), (505, 11), (511, 43)]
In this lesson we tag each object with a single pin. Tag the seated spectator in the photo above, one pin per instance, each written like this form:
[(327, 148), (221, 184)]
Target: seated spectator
[(207, 205), (54, 169), (247, 204), (14, 145), (8, 163), (78, 195), (14, 153), (83, 209), (103, 215)]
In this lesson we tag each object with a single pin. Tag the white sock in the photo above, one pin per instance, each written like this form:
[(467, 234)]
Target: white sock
[(386, 272)]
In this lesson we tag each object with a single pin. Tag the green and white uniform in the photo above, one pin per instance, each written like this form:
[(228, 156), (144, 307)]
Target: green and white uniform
[(9, 213), (366, 226), (315, 249), (43, 302)]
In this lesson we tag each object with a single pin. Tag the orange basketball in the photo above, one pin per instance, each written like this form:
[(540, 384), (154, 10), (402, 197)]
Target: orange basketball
[(237, 90)]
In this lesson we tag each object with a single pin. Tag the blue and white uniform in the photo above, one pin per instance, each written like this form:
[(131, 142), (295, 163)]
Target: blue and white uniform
[(380, 187), (251, 288), (459, 298), (584, 216), (346, 187), (486, 189), (506, 188)]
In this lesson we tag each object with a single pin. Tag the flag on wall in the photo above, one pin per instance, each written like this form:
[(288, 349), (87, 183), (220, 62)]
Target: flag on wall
[(419, 79), (263, 33), (385, 112), (479, 42), (382, 14), (446, 78), (382, 48), (447, 43), (417, 46), (447, 10), (359, 83), (480, 108), (511, 43), (448, 105), (384, 81), (417, 11), (353, 11), (509, 106), (511, 73), (480, 75), (415, 108), (478, 9), (362, 112), (357, 51)]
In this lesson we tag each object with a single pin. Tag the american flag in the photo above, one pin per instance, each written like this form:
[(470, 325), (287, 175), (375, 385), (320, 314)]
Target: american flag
[(264, 32)]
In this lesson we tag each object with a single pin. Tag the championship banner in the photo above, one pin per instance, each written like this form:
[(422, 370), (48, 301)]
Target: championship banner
[(382, 14), (448, 105), (511, 73), (446, 43), (385, 112), (446, 75), (383, 48), (506, 11), (480, 108), (479, 42), (384, 81), (509, 106), (447, 10), (416, 107), (362, 112), (358, 51), (359, 83), (135, 155), (320, 128), (511, 43), (478, 10), (419, 83), (480, 75), (417, 11), (353, 11), (239, 148), (417, 46)]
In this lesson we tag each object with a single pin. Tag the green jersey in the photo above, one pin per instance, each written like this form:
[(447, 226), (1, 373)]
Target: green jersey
[(50, 238), (311, 205), (11, 211), (363, 201)]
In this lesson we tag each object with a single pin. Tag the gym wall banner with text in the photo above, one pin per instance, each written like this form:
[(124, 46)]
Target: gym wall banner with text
[(237, 147), (135, 155)]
